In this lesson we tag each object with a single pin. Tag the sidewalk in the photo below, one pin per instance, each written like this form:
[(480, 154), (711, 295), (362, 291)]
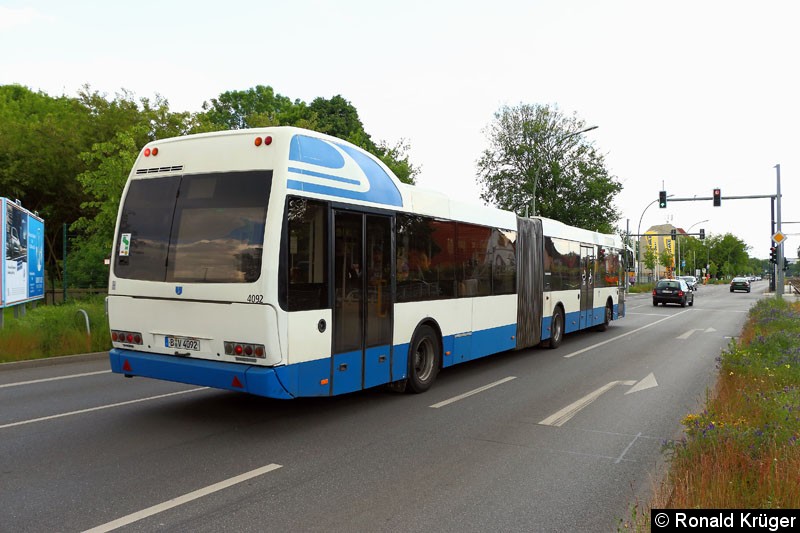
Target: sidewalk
[(51, 361)]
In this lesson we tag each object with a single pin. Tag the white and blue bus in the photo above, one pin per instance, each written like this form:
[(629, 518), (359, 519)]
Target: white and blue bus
[(285, 263)]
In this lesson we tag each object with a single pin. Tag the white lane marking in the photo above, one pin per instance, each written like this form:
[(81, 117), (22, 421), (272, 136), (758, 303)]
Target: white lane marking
[(593, 346), (619, 459), (560, 417), (470, 393), (180, 500), (99, 408), (43, 380), (687, 334)]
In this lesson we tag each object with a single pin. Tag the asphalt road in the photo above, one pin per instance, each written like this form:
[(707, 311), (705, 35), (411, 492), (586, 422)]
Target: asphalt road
[(549, 440)]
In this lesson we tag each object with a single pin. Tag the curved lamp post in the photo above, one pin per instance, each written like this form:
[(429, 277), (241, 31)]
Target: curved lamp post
[(679, 253), (639, 237)]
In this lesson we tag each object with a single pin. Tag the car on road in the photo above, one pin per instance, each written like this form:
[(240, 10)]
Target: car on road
[(691, 281), (740, 284), (672, 291)]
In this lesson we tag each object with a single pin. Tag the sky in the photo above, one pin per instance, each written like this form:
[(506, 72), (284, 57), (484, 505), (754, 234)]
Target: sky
[(687, 96)]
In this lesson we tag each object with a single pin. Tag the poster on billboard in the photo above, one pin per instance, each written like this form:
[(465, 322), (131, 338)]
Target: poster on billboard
[(22, 234)]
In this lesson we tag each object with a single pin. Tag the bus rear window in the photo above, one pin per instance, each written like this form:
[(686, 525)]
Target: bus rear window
[(202, 228)]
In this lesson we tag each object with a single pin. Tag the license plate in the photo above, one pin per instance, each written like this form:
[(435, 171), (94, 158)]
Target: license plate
[(667, 291), (182, 343)]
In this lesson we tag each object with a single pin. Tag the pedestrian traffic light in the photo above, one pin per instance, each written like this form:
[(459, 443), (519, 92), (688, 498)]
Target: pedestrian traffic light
[(662, 199), (717, 197), (674, 234), (773, 255), (702, 234)]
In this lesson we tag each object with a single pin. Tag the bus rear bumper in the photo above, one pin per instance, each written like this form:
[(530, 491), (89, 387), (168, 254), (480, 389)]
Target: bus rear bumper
[(261, 381)]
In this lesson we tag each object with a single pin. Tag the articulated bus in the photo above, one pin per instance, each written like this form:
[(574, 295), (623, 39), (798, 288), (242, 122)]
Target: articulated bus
[(285, 263)]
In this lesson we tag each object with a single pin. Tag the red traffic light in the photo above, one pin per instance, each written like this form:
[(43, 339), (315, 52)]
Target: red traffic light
[(717, 197)]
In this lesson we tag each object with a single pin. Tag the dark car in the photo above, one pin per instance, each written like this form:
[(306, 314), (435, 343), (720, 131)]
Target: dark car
[(740, 284), (672, 291)]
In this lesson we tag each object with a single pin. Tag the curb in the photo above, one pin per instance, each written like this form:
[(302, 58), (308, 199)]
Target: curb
[(52, 361)]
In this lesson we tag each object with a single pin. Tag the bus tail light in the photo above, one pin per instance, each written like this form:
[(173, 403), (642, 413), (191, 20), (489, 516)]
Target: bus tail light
[(244, 348), (127, 337), (266, 141)]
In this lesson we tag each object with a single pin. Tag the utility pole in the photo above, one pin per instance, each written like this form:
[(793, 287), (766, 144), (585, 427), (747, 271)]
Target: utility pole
[(779, 269)]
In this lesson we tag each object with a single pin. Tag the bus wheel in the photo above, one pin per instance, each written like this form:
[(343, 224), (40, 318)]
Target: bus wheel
[(423, 360), (556, 329), (609, 313)]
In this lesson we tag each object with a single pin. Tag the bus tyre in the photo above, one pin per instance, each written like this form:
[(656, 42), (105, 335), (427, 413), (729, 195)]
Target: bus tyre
[(609, 313), (424, 360), (556, 329)]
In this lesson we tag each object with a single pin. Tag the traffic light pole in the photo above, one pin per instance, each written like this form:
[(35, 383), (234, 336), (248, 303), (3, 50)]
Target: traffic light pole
[(718, 199), (779, 285)]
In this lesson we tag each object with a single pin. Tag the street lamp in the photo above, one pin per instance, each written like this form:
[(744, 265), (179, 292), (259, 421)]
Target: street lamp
[(679, 246), (639, 237), (559, 141)]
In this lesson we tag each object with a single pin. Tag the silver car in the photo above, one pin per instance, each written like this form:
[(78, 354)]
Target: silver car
[(691, 281)]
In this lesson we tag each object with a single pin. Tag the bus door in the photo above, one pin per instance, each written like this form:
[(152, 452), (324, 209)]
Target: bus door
[(587, 286), (362, 311)]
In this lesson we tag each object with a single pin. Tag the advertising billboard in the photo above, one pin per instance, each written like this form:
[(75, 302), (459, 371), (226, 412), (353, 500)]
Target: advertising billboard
[(22, 236)]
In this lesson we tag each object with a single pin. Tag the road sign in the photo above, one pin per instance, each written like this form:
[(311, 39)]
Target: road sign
[(779, 237)]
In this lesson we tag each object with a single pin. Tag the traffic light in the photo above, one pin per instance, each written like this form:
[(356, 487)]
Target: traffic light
[(717, 197), (702, 234), (773, 255), (785, 264), (674, 234), (662, 199)]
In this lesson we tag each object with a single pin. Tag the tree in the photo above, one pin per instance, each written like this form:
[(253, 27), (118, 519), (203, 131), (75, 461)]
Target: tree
[(730, 252), (650, 259), (536, 156), (261, 106), (666, 259), (258, 106), (108, 163), (40, 139)]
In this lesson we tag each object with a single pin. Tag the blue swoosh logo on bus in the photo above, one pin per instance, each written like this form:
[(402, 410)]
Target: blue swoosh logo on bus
[(334, 169)]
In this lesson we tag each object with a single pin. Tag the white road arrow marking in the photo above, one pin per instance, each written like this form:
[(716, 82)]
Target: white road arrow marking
[(688, 334), (560, 417), (647, 383), (710, 330)]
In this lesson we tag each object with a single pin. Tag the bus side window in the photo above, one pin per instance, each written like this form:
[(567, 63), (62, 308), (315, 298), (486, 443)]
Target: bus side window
[(307, 276)]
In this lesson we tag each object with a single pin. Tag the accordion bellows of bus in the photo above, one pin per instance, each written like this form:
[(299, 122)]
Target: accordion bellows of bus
[(285, 263)]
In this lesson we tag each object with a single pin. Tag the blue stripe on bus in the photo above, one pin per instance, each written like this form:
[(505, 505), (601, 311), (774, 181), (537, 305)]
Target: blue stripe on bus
[(477, 344), (572, 321), (325, 156), (313, 378), (230, 376)]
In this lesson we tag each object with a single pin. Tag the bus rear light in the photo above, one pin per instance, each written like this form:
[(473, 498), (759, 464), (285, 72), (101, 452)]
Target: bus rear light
[(266, 141), (258, 141), (147, 152), (155, 151), (129, 337), (243, 348)]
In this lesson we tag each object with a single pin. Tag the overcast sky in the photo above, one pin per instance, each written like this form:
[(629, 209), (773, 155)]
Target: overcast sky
[(689, 94)]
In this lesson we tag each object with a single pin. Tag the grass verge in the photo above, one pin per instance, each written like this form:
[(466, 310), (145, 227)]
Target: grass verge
[(742, 450), (51, 330)]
